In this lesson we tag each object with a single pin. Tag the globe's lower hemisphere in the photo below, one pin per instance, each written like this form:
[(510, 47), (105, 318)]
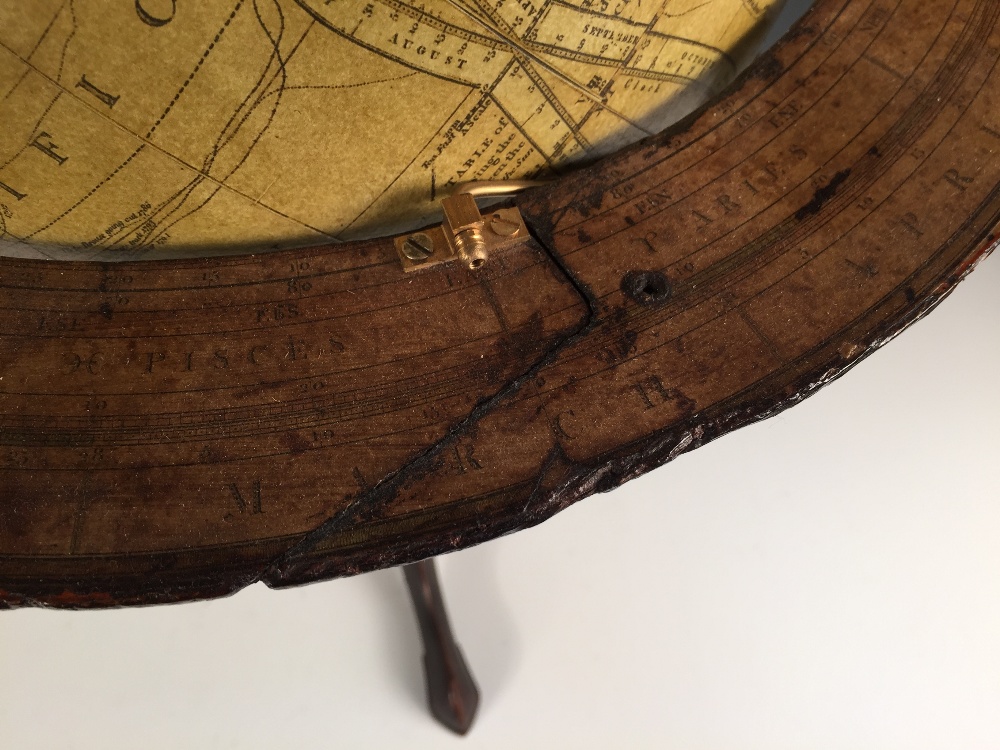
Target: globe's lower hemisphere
[(229, 127)]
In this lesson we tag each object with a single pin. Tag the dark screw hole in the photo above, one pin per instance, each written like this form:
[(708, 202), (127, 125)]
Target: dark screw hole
[(646, 287)]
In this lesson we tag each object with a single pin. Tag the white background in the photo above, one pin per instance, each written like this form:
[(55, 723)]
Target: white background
[(829, 578)]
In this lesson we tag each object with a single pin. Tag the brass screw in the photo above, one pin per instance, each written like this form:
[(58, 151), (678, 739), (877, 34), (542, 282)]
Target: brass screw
[(503, 227), (418, 247)]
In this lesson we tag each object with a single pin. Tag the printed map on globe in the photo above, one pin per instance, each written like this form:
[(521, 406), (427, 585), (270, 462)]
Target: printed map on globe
[(162, 128)]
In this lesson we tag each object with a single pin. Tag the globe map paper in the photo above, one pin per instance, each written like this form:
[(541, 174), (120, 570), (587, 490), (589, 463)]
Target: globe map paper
[(154, 128)]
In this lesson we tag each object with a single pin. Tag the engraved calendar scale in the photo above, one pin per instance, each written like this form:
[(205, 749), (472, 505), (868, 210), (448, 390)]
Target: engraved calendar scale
[(179, 429)]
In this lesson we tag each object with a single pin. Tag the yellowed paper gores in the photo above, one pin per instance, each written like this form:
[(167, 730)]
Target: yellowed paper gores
[(157, 128)]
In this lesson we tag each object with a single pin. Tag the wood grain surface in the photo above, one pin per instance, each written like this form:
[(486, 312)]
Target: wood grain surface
[(178, 430)]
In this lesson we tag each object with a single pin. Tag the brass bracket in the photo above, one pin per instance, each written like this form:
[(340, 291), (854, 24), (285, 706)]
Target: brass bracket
[(466, 234)]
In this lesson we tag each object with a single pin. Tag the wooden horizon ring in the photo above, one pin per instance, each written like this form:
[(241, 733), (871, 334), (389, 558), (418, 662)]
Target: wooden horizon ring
[(176, 430)]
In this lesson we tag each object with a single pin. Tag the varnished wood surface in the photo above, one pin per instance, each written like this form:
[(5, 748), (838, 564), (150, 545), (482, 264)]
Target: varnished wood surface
[(178, 430)]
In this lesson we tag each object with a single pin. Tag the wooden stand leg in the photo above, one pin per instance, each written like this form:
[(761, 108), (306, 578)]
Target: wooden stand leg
[(451, 692)]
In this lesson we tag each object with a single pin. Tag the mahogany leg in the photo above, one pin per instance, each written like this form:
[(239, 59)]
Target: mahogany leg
[(451, 692)]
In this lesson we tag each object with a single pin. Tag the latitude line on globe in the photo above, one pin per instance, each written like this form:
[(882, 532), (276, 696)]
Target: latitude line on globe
[(159, 149)]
